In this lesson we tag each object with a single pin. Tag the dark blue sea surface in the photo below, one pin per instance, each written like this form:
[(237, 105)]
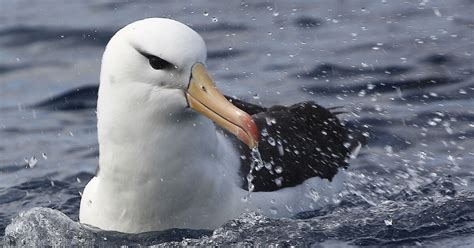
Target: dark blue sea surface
[(402, 70)]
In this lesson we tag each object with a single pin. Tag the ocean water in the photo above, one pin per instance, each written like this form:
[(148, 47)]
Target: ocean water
[(403, 71)]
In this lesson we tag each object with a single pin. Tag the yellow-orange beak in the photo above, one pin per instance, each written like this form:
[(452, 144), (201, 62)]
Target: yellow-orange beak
[(203, 96)]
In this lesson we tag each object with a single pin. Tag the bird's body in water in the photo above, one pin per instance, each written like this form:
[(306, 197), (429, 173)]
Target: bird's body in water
[(174, 153)]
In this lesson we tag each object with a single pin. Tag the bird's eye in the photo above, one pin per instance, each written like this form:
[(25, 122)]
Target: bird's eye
[(158, 63)]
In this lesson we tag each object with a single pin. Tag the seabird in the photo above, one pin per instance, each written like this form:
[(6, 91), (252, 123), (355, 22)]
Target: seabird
[(176, 153)]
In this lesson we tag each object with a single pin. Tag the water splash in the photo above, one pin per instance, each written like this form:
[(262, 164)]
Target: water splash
[(31, 162), (256, 164)]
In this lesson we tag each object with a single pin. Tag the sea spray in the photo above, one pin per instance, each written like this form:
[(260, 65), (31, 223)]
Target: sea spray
[(256, 164)]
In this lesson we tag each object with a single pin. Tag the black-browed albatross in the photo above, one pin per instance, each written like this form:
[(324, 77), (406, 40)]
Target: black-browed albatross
[(175, 153)]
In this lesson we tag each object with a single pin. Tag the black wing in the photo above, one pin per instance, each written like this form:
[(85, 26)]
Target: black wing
[(297, 142)]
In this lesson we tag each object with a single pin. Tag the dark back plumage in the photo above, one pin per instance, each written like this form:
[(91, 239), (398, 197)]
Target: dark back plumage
[(297, 142)]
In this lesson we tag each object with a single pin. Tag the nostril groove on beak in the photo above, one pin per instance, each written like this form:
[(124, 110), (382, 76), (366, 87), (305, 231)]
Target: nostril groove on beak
[(203, 88)]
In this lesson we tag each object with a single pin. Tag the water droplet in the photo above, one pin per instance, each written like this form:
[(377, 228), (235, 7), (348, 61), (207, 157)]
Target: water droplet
[(52, 183), (230, 48), (268, 166), (418, 41), (449, 130), (205, 14), (255, 96), (281, 151), (279, 181), (270, 120), (278, 169), (44, 156), (314, 194), (437, 12), (31, 162), (388, 222), (271, 141), (249, 177), (276, 14), (214, 19), (251, 187)]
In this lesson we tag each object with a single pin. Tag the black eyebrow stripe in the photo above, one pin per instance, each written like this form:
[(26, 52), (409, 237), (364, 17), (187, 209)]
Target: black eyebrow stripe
[(148, 56), (144, 54)]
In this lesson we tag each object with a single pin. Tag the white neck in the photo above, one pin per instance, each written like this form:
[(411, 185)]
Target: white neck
[(161, 165), (142, 136)]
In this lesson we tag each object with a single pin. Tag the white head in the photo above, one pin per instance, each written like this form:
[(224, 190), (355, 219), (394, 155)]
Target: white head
[(172, 47), (152, 76)]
